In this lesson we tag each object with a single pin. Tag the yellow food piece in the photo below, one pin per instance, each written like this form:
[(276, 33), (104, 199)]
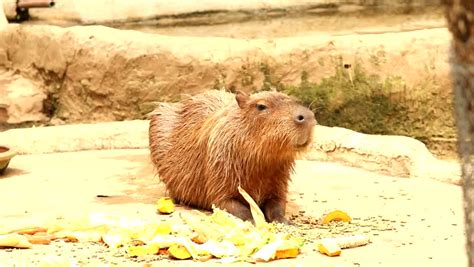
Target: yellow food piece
[(70, 239), (167, 241), (199, 239), (149, 231), (164, 241), (31, 231), (54, 229), (329, 247), (290, 248), (165, 205), (163, 228), (257, 214), (223, 249), (223, 218), (238, 237), (39, 240), (139, 251), (287, 253), (336, 215), (179, 252), (202, 225), (15, 241)]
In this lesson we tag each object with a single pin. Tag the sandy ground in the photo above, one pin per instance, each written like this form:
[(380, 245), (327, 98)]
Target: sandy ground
[(411, 222)]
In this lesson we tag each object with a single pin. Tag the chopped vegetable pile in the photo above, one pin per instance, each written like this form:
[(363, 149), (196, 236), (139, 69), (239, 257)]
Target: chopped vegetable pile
[(188, 235)]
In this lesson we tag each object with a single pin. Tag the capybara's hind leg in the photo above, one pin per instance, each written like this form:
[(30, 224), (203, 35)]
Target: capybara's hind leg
[(274, 210), (236, 208)]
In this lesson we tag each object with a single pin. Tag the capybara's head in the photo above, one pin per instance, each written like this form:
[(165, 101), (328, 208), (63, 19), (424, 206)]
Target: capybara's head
[(277, 119)]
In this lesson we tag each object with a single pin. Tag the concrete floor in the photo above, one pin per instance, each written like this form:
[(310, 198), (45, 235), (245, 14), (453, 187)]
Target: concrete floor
[(427, 215)]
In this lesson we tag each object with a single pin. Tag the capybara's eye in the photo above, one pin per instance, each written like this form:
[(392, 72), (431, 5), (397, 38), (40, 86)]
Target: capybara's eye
[(261, 107)]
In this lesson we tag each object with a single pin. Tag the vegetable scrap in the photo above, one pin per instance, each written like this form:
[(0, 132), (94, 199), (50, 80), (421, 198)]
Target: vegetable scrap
[(333, 246), (189, 235), (179, 252), (165, 205), (14, 240), (336, 215), (329, 247)]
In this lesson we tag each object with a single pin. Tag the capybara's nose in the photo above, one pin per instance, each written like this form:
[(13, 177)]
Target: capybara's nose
[(305, 116), (299, 119)]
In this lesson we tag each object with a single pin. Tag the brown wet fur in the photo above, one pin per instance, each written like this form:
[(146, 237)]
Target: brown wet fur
[(207, 145)]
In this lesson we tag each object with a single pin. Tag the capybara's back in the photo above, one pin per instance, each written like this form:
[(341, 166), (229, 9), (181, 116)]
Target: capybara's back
[(207, 145)]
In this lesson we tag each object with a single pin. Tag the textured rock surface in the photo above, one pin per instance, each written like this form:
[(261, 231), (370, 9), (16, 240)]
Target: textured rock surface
[(393, 155), (99, 74), (21, 100)]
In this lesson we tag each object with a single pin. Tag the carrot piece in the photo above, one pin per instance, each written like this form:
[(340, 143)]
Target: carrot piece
[(39, 240), (287, 253), (336, 215)]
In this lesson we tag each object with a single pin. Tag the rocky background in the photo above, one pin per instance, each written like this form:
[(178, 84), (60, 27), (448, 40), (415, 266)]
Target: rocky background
[(379, 68)]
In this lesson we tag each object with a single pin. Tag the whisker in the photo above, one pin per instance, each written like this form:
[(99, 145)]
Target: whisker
[(309, 107)]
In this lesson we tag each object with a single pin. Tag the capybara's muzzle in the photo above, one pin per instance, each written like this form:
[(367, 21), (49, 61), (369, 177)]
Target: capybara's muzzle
[(305, 120)]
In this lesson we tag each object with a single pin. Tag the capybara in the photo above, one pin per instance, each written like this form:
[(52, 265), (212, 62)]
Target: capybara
[(208, 144)]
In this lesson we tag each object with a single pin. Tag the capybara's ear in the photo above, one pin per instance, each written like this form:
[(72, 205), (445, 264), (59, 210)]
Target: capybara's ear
[(242, 98)]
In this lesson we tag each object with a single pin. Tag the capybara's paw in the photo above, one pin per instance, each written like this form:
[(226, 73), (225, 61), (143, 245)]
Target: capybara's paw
[(283, 220), (244, 215), (237, 209)]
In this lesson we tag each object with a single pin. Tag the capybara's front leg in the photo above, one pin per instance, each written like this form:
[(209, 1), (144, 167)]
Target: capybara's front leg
[(236, 208), (274, 210)]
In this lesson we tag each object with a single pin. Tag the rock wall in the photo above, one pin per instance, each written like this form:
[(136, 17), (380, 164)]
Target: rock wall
[(101, 74)]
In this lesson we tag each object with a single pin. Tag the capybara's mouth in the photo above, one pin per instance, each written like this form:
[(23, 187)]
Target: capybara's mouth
[(304, 143), (304, 140)]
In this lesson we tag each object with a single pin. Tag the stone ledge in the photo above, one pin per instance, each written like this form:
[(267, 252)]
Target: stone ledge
[(391, 155), (388, 154), (77, 137)]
